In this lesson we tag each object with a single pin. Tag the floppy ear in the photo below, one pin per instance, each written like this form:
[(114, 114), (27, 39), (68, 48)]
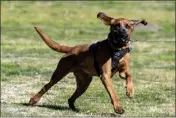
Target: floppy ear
[(106, 19), (136, 22)]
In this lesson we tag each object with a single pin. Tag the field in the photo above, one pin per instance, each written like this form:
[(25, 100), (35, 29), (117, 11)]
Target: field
[(27, 63)]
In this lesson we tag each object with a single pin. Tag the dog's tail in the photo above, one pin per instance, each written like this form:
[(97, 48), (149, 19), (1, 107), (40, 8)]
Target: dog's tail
[(53, 45)]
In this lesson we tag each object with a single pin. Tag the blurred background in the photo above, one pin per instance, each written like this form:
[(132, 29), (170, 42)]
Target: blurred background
[(27, 63)]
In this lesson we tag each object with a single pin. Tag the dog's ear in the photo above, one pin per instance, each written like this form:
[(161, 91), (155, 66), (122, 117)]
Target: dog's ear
[(136, 22), (106, 19)]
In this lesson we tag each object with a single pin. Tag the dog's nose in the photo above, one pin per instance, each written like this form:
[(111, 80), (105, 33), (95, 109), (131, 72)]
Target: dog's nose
[(123, 30)]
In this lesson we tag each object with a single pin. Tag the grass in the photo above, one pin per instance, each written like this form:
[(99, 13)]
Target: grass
[(27, 63)]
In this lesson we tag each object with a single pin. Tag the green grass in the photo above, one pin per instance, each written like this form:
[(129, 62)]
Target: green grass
[(27, 63)]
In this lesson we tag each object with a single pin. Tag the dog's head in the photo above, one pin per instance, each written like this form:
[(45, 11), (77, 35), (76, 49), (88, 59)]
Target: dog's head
[(121, 28)]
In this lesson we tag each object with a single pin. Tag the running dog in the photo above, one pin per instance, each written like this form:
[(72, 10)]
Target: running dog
[(102, 59)]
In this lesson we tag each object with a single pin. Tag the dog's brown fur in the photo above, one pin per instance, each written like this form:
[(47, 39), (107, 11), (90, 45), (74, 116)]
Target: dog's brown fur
[(80, 61)]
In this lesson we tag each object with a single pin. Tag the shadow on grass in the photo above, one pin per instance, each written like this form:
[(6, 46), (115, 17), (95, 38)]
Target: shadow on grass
[(58, 107), (54, 107)]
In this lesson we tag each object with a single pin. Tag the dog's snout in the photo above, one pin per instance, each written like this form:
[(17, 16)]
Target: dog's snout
[(122, 30)]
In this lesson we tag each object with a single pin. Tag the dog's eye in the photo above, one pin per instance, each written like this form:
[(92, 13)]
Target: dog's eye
[(127, 26), (117, 25), (113, 27)]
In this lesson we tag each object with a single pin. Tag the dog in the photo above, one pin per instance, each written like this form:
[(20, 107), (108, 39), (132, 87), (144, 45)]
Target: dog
[(102, 59)]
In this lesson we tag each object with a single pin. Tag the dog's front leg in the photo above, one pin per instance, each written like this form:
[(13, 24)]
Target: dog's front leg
[(124, 73), (129, 85), (107, 82)]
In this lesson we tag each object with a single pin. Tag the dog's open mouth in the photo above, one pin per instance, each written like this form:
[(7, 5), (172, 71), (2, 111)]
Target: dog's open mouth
[(121, 39), (118, 40)]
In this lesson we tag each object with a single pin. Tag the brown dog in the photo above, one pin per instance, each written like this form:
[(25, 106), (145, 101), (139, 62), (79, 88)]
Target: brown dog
[(86, 61)]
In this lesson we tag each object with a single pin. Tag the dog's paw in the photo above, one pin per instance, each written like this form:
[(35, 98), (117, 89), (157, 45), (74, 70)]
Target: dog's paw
[(72, 106), (119, 110), (130, 90)]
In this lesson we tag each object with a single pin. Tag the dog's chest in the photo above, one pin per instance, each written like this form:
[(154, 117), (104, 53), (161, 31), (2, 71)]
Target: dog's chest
[(116, 56)]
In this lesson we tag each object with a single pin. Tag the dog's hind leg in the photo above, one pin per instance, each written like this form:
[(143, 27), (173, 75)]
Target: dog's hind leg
[(64, 67), (83, 81)]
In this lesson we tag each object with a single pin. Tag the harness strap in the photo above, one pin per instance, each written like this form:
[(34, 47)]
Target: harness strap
[(115, 56)]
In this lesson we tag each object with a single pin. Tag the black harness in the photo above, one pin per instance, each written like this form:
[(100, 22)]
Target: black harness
[(116, 55)]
